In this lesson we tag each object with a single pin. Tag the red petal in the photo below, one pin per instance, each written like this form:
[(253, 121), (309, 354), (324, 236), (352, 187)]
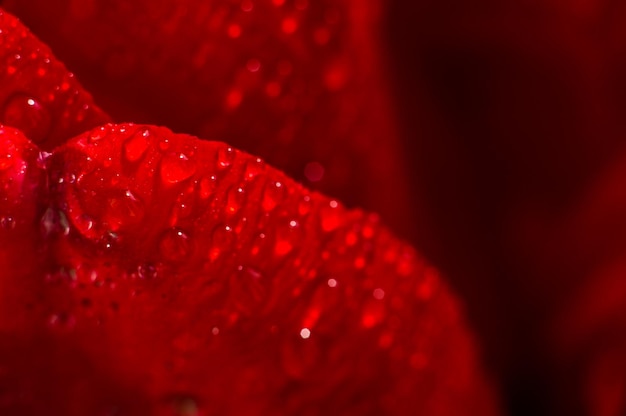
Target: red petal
[(37, 93), (301, 84), (178, 274)]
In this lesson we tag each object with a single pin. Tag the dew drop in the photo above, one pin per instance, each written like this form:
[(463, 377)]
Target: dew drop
[(273, 194), (175, 245), (42, 159), (27, 114), (287, 237), (6, 161), (253, 169), (225, 156), (124, 209), (147, 271), (96, 135), (305, 333), (235, 198), (53, 222), (206, 186), (109, 240), (222, 239), (304, 207), (378, 294), (330, 217), (176, 167), (135, 147), (61, 321), (7, 223), (332, 283)]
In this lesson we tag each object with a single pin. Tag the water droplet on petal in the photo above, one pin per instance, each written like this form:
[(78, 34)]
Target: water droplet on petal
[(287, 237), (136, 145), (330, 216), (27, 114), (235, 198), (124, 209), (6, 160), (253, 169), (222, 239), (42, 159), (147, 271), (177, 167), (175, 245), (61, 321), (225, 156), (206, 186), (53, 222), (273, 194), (7, 223)]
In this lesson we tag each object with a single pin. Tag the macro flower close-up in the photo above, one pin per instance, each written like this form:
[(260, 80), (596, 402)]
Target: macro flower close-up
[(306, 207)]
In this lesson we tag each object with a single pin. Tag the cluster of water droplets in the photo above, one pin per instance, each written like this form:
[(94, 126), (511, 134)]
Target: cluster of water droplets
[(41, 97)]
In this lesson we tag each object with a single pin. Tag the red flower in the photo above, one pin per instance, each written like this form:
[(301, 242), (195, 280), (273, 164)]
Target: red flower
[(147, 272)]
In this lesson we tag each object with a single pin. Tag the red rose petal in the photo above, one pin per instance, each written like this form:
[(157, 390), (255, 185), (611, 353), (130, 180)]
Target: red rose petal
[(163, 281), (294, 82), (37, 93)]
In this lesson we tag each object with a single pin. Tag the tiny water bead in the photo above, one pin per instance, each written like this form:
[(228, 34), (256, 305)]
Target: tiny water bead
[(54, 222), (222, 240), (27, 114), (147, 271), (136, 145), (305, 333), (225, 157), (287, 236), (123, 208), (177, 167), (273, 194), (7, 222)]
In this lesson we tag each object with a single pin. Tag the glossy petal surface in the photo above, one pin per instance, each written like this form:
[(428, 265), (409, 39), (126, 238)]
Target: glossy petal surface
[(168, 275), (37, 93), (301, 83)]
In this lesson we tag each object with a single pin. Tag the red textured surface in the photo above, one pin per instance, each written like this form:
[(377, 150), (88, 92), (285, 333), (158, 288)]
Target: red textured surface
[(145, 272), (37, 93), (296, 82)]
